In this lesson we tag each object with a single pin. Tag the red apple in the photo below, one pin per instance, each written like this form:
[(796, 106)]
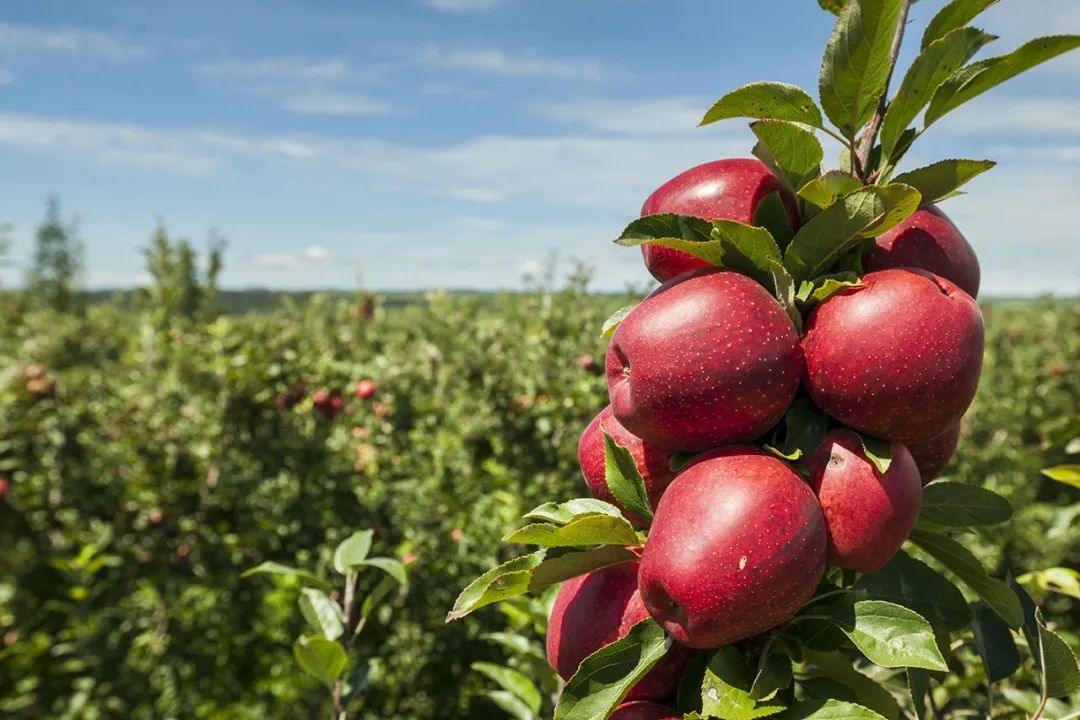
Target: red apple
[(934, 454), (710, 358), (718, 190), (643, 710), (897, 357), (328, 403), (5, 488), (868, 514), (651, 461), (597, 609), (737, 547), (927, 239), (365, 389)]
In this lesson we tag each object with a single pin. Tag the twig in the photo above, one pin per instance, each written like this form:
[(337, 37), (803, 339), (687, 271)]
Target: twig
[(861, 160)]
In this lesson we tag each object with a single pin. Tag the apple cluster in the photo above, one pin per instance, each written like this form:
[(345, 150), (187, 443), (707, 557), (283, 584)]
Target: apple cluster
[(700, 376)]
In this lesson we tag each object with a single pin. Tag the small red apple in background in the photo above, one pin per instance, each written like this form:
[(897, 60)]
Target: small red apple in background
[(588, 364), (597, 609), (737, 546), (927, 239), (868, 514), (328, 403), (934, 454), (5, 488), (365, 389), (709, 358), (898, 357), (651, 461), (719, 190), (644, 710)]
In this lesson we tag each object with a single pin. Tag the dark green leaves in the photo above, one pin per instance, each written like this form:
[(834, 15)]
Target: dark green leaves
[(913, 584), (1061, 675), (891, 635), (804, 428), (726, 689), (792, 151), (690, 234), (957, 504), (877, 451), (975, 79), (833, 6), (325, 659), (837, 229), (512, 682), (995, 643), (965, 566), (766, 101), (929, 70), (857, 63), (955, 14), (275, 568), (624, 481), (940, 180), (605, 677)]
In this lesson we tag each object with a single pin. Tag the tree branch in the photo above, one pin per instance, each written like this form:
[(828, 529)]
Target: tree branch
[(870, 132)]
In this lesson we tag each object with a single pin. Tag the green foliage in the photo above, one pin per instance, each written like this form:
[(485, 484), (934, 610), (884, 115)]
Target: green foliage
[(53, 277)]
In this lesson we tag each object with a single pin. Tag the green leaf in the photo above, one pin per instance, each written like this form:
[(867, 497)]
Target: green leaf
[(955, 14), (376, 596), (499, 583), (913, 584), (773, 674), (784, 290), (510, 704), (512, 682), (940, 180), (863, 213), (352, 551), (321, 613), (919, 686), (689, 234), (877, 451), (833, 6), (830, 187), (680, 459), (746, 249), (930, 69), (616, 317), (829, 709), (605, 677), (392, 567), (857, 64), (957, 504), (568, 565), (1056, 579), (517, 644), (564, 512), (1067, 474), (805, 425), (824, 287), (959, 560), (766, 101), (275, 568), (725, 691), (1061, 675), (623, 479), (325, 659), (837, 667), (772, 214), (789, 149), (995, 643), (688, 697), (975, 79), (891, 635), (583, 531)]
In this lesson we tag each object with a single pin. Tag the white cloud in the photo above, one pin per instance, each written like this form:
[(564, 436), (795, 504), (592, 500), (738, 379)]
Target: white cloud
[(659, 116), (1026, 115), (464, 6), (278, 69), (334, 102), (438, 89), (495, 61), (17, 39), (310, 256)]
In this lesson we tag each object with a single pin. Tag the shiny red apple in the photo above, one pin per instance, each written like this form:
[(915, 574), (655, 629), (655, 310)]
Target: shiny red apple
[(934, 454), (927, 239)]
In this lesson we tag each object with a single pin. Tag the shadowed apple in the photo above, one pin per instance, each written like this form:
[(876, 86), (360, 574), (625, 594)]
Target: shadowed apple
[(898, 357), (709, 359), (934, 454), (644, 710), (737, 547), (720, 190), (651, 460), (927, 239), (868, 514), (597, 609)]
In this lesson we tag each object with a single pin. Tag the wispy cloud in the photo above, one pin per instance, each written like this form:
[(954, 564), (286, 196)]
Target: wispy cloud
[(1027, 115), (464, 6), (658, 116), (313, 255), (278, 69), (498, 62), (86, 42), (334, 102)]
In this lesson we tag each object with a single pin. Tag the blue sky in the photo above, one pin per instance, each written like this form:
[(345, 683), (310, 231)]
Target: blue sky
[(459, 143)]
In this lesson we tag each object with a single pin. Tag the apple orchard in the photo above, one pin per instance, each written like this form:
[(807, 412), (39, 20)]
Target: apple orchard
[(762, 481)]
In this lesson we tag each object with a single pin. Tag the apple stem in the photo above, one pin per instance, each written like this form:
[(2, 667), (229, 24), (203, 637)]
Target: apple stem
[(861, 160)]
